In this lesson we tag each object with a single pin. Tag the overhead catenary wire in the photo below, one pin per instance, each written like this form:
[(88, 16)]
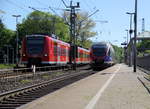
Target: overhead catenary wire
[(88, 6), (64, 3), (89, 16), (49, 8), (53, 11), (15, 4), (41, 3), (33, 8)]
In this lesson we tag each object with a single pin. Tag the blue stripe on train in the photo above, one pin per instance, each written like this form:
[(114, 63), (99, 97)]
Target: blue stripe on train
[(108, 58)]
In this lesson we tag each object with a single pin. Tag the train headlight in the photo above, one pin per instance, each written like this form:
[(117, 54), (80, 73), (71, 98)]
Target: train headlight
[(45, 55), (24, 55)]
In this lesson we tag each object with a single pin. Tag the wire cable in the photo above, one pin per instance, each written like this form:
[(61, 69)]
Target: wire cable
[(9, 1)]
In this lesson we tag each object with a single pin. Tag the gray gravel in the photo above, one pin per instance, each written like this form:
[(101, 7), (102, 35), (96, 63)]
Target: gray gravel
[(8, 84)]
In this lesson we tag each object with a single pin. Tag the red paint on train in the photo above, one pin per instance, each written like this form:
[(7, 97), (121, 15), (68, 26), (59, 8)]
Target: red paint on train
[(45, 50)]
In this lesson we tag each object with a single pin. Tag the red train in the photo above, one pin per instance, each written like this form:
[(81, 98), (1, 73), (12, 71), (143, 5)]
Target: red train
[(44, 50)]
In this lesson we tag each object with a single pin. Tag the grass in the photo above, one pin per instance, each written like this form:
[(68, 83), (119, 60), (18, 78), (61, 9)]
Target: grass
[(46, 76), (59, 72), (25, 81), (6, 66)]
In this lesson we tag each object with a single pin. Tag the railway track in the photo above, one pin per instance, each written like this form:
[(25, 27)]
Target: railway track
[(8, 73), (27, 78), (19, 97), (145, 78), (146, 73)]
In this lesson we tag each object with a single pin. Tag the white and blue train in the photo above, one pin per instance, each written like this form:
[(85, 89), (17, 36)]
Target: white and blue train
[(102, 55)]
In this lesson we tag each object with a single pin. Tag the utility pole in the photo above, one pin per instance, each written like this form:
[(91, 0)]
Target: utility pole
[(72, 9), (53, 24), (130, 32), (143, 24), (12, 55), (135, 35), (72, 31), (7, 46), (127, 35), (17, 48)]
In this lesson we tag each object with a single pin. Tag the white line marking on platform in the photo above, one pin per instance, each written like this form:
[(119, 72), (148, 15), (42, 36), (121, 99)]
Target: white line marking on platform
[(98, 95)]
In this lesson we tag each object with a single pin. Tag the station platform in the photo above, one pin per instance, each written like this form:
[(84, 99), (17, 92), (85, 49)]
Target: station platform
[(117, 87)]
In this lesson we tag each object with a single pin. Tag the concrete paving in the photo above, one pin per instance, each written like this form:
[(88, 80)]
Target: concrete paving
[(114, 88)]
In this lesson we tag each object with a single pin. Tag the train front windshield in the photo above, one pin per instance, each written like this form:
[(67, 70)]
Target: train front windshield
[(35, 45), (99, 50)]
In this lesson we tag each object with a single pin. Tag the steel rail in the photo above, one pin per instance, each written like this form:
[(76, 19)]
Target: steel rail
[(5, 97)]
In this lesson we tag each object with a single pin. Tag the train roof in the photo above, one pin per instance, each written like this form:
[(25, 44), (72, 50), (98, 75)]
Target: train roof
[(51, 37), (101, 44), (83, 49), (35, 35), (57, 40)]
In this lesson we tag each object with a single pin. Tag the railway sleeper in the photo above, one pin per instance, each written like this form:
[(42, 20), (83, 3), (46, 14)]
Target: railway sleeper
[(21, 98), (5, 102), (147, 79), (17, 100), (37, 92), (17, 97), (25, 96), (34, 95), (9, 105)]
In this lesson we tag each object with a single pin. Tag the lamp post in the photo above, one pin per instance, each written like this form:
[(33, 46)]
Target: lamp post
[(135, 35), (12, 55), (127, 35), (125, 43), (17, 60), (130, 31)]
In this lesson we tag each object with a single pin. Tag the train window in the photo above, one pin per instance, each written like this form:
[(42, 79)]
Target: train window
[(99, 51), (63, 52), (81, 55), (35, 45), (84, 55), (88, 56), (55, 49), (109, 52), (66, 52), (58, 51)]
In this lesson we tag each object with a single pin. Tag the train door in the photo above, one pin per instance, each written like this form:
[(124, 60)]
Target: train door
[(58, 53), (63, 54), (67, 54), (55, 52)]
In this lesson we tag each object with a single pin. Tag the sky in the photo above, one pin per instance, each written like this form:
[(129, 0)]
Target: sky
[(113, 11)]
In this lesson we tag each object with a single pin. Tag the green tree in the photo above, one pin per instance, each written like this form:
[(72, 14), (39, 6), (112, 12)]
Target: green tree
[(142, 45), (6, 35), (118, 53), (84, 26), (43, 23)]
